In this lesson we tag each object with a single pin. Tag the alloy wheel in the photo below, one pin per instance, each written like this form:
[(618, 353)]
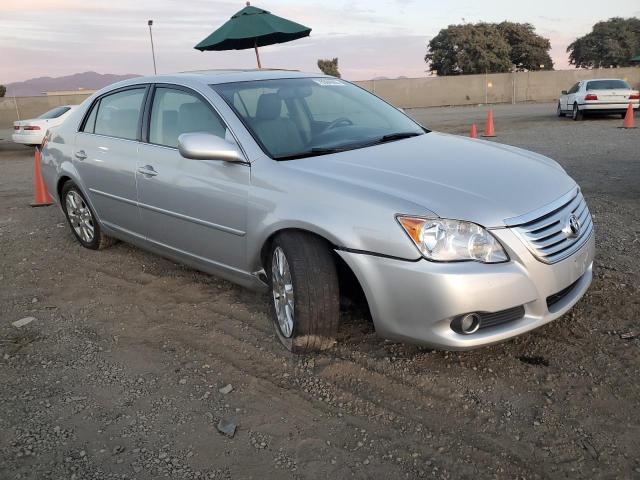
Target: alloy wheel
[(80, 216), (282, 289)]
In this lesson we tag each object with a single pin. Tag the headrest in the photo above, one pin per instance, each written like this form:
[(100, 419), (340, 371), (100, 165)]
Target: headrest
[(269, 106), (194, 117)]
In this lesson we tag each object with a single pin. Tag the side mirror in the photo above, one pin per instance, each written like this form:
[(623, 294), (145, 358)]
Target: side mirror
[(563, 92), (205, 146)]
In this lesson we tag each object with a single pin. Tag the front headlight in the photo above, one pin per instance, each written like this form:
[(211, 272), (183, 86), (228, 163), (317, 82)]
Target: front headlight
[(443, 240)]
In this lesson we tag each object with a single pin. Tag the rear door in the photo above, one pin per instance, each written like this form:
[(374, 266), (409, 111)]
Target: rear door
[(570, 97), (105, 155), (194, 208)]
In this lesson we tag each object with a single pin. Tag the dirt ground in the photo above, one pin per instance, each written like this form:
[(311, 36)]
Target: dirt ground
[(119, 375)]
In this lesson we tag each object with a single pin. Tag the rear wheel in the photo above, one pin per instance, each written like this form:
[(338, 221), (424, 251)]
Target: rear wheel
[(305, 303), (82, 220), (559, 110), (576, 114)]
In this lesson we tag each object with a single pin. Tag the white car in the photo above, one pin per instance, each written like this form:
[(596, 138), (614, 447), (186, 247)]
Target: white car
[(602, 96), (31, 132)]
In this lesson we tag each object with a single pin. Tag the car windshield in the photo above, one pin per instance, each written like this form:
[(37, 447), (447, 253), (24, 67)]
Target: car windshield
[(608, 85), (302, 117), (55, 113)]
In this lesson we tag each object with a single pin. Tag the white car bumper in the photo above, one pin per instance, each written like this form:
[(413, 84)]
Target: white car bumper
[(29, 138), (609, 106)]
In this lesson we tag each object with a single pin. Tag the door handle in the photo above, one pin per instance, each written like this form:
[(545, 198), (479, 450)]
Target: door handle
[(147, 170), (81, 155)]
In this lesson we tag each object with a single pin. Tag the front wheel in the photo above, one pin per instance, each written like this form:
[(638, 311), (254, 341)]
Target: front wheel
[(305, 298), (559, 110)]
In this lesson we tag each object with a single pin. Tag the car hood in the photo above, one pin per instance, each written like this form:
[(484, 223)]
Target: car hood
[(454, 177)]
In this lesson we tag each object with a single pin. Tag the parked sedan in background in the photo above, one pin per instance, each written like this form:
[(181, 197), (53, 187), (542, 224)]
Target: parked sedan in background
[(311, 187), (602, 96), (32, 131)]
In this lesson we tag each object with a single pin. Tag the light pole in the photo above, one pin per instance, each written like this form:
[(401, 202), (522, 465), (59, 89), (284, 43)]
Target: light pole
[(153, 53)]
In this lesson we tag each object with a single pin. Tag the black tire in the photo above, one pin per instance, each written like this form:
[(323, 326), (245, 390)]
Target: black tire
[(316, 298), (559, 111), (99, 240), (576, 114)]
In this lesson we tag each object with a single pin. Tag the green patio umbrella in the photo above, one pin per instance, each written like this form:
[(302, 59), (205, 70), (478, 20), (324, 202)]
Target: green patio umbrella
[(253, 27)]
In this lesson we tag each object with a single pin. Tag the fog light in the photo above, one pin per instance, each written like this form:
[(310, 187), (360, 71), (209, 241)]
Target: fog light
[(466, 324)]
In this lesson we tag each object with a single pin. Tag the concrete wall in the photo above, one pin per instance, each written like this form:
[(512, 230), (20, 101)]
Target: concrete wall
[(21, 108), (470, 89), (405, 93)]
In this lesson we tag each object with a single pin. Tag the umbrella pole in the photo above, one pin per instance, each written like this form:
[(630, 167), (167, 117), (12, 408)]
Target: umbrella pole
[(257, 55)]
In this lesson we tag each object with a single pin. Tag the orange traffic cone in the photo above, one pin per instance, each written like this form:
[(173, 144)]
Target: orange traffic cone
[(628, 118), (488, 128), (474, 131), (41, 197)]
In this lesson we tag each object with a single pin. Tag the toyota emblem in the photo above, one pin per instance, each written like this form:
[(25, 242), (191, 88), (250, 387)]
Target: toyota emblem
[(572, 228)]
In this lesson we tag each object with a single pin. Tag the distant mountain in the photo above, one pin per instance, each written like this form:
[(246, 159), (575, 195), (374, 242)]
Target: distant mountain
[(86, 80)]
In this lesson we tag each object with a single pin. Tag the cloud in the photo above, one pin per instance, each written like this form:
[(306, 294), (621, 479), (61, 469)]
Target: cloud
[(370, 37)]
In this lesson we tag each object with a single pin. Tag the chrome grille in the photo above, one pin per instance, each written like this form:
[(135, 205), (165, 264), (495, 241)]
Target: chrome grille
[(548, 235)]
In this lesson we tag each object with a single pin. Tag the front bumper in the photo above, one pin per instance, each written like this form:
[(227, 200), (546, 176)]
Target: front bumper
[(415, 301)]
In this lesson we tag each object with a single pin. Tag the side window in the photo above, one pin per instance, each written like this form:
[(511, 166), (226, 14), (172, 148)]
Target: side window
[(175, 112), (118, 114), (90, 124), (575, 88)]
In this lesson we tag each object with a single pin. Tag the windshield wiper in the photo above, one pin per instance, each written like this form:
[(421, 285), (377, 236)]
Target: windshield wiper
[(398, 136), (313, 152), (316, 151)]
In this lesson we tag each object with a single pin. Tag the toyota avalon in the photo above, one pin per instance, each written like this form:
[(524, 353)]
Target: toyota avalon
[(309, 187)]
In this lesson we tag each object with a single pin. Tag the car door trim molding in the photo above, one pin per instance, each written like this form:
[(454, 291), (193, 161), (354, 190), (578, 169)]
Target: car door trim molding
[(112, 196), (215, 226), (197, 221)]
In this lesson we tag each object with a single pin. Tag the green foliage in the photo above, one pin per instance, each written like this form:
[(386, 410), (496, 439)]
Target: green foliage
[(3, 90), (329, 67), (487, 47), (528, 49), (611, 43)]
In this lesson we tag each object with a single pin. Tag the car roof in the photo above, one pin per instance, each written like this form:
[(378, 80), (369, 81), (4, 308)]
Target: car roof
[(606, 79), (210, 77)]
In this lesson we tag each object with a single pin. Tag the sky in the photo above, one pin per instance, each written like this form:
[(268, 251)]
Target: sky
[(372, 38)]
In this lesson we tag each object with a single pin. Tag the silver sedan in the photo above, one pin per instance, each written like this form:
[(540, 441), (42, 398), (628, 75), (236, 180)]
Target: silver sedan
[(311, 188)]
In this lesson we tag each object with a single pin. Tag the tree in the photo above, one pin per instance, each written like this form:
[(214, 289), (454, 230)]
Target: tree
[(528, 49), (611, 43), (487, 47), (329, 67), (3, 90)]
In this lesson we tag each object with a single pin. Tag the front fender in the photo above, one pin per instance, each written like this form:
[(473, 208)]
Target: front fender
[(346, 215)]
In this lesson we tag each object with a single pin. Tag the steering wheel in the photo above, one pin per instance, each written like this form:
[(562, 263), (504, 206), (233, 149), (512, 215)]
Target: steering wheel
[(338, 122)]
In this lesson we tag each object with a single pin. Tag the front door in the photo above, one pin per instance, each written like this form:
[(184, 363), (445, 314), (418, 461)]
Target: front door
[(195, 208), (105, 155)]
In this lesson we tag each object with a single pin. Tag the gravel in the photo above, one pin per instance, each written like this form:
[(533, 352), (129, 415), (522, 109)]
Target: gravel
[(126, 370)]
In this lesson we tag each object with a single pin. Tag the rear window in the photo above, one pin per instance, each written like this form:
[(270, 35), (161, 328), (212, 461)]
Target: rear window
[(117, 114), (55, 113), (608, 85)]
